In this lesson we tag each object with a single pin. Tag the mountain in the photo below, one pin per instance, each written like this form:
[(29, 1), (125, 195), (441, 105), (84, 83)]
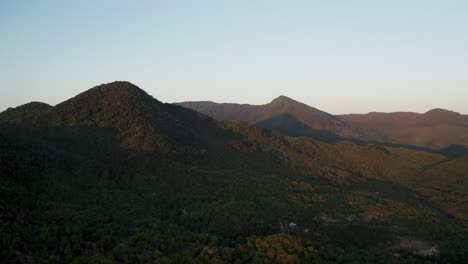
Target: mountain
[(437, 128), (285, 115), (141, 122), (116, 176), (26, 112)]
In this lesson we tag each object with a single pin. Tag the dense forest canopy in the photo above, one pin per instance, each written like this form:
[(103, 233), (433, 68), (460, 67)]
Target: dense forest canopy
[(116, 176)]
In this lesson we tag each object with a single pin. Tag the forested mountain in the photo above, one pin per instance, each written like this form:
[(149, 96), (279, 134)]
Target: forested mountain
[(287, 116), (116, 176), (27, 112), (436, 129)]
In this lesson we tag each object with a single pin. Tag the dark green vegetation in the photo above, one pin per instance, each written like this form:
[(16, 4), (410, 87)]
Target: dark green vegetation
[(114, 175)]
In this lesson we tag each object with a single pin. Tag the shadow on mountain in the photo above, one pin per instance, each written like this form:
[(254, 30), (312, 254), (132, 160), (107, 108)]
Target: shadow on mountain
[(115, 176), (77, 155), (454, 151), (288, 125), (451, 152)]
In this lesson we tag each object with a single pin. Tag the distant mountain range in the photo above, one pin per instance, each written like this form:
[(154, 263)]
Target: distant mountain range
[(435, 129), (113, 175)]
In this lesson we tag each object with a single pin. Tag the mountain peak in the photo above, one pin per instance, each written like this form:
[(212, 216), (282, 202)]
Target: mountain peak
[(140, 122), (114, 97), (32, 106), (442, 116), (119, 85), (440, 111), (123, 106), (118, 88), (285, 102), (25, 112), (284, 99)]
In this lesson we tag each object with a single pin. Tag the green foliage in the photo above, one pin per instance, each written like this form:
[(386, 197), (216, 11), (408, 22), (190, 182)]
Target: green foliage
[(73, 191)]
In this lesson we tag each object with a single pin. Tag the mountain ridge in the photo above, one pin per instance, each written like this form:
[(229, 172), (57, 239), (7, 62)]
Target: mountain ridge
[(142, 122), (311, 117), (80, 182), (437, 128)]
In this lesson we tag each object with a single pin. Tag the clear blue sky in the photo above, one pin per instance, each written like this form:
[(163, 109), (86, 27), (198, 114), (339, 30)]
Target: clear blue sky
[(339, 56)]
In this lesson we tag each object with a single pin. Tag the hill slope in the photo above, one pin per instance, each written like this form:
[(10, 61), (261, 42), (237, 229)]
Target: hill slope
[(24, 113), (108, 176), (437, 128), (140, 121), (285, 115)]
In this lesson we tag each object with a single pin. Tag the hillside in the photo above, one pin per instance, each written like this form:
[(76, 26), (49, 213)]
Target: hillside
[(140, 121), (24, 113), (115, 176), (429, 174), (437, 128), (287, 116)]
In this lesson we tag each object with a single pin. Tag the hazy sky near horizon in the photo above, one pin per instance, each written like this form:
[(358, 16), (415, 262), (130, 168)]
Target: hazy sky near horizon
[(339, 56)]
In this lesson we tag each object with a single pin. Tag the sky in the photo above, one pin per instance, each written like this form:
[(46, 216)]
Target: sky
[(339, 56)]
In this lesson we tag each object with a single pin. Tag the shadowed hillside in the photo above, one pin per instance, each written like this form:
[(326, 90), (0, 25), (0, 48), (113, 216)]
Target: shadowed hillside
[(288, 125), (24, 113), (274, 114), (115, 176), (142, 122), (437, 129)]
